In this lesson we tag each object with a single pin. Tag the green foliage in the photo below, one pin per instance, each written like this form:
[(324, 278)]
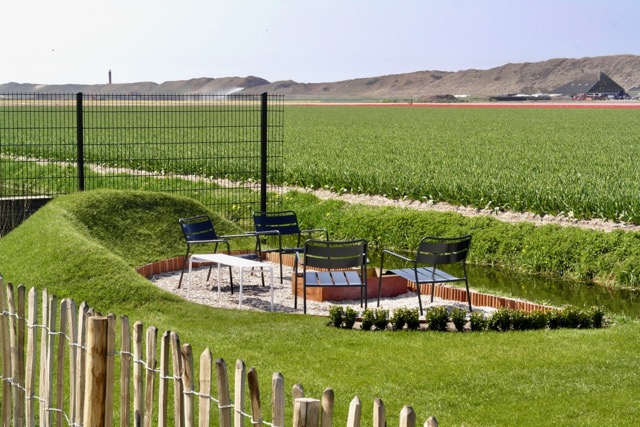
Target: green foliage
[(336, 315), (412, 318), (539, 319), (597, 316), (398, 318), (367, 319), (568, 252), (500, 320), (380, 319), (477, 321), (437, 318), (349, 319), (459, 318)]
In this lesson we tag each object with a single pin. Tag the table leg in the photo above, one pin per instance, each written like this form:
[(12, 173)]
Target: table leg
[(271, 269), (241, 272), (189, 277)]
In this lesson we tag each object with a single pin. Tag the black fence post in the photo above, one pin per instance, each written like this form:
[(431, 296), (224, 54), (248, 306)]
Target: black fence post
[(264, 157), (80, 140)]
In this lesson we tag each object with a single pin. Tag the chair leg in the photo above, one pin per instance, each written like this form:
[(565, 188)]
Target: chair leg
[(379, 287), (184, 264), (466, 283), (419, 298), (433, 290), (304, 296), (231, 279)]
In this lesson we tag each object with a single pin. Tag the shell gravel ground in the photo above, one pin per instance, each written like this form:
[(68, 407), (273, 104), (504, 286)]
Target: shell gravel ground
[(258, 297)]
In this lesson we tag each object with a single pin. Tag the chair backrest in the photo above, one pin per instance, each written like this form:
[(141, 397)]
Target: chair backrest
[(197, 229), (284, 222), (443, 250), (334, 255)]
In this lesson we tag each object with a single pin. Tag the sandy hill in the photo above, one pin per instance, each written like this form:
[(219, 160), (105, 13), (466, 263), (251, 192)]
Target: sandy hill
[(535, 77)]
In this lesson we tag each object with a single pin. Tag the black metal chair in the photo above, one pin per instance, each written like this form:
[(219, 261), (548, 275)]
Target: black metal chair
[(281, 224), (199, 230), (340, 263), (433, 252)]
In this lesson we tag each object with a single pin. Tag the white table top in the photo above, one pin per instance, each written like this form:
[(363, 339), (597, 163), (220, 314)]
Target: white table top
[(232, 261)]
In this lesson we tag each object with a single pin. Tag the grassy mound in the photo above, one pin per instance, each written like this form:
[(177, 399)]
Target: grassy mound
[(87, 245)]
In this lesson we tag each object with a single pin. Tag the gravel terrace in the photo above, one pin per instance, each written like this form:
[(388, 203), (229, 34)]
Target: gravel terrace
[(257, 297)]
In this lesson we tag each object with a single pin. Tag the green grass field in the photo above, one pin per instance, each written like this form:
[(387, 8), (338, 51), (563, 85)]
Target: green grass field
[(575, 161), (552, 377)]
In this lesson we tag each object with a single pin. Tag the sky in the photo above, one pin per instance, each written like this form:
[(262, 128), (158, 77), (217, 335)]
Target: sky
[(79, 41)]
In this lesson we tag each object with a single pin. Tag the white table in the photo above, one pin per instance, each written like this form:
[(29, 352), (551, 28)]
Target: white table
[(231, 261)]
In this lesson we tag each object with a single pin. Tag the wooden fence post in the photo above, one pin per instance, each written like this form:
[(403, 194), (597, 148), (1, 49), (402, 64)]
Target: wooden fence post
[(224, 397), (328, 398), (62, 344), (111, 368), (6, 357), (407, 417), (17, 396), (81, 358), (32, 350), (163, 389), (355, 413), (239, 393), (125, 372), (306, 412), (138, 381), (187, 383), (152, 334), (204, 405), (178, 402), (72, 332), (96, 372), (254, 394), (431, 422), (379, 414), (277, 399), (297, 391), (51, 338)]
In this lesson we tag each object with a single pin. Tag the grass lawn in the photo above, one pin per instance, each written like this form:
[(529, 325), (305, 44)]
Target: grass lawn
[(86, 246)]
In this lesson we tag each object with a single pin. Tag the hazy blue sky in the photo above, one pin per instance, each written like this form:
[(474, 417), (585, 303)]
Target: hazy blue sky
[(79, 41)]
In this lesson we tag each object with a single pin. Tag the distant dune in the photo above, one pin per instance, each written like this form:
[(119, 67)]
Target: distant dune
[(534, 77)]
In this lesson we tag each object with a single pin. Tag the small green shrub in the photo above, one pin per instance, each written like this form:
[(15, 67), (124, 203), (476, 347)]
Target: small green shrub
[(500, 320), (459, 318), (597, 316), (367, 319), (412, 318), (336, 315), (437, 318), (575, 318), (555, 319), (398, 319), (477, 321), (350, 316), (521, 320), (539, 319), (380, 319)]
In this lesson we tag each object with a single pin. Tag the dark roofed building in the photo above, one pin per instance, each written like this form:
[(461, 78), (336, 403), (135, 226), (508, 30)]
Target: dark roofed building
[(590, 84)]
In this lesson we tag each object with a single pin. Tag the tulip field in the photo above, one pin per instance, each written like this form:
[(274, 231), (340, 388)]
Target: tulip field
[(579, 162)]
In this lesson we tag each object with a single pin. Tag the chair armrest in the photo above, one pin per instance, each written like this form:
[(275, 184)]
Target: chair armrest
[(317, 230), (234, 236), (404, 258), (265, 233)]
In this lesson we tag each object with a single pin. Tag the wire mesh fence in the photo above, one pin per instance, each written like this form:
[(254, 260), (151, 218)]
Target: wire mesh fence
[(219, 149)]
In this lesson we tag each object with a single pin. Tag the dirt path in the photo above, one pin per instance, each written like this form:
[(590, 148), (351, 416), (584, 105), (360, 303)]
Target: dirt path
[(594, 224)]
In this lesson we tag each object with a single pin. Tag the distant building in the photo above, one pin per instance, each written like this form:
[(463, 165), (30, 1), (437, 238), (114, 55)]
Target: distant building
[(592, 85), (634, 92)]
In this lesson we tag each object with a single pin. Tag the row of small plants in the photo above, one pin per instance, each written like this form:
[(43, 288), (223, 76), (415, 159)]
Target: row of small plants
[(438, 319)]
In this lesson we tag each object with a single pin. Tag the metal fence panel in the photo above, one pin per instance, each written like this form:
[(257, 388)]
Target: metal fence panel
[(219, 149)]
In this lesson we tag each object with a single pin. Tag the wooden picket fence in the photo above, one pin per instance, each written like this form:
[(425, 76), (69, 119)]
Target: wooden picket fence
[(76, 374)]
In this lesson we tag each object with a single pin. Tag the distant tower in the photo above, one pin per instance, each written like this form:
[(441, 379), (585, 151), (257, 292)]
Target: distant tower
[(109, 76)]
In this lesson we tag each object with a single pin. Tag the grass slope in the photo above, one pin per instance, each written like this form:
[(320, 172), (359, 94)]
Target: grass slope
[(83, 246)]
